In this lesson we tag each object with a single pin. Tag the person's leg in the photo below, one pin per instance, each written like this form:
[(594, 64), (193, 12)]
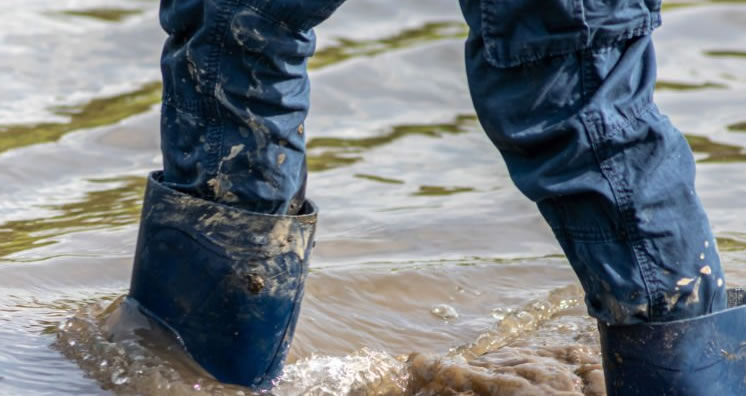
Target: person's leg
[(226, 231), (235, 96), (564, 89)]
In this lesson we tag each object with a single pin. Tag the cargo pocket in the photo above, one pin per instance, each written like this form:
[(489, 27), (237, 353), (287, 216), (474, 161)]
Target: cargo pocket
[(517, 32), (299, 15)]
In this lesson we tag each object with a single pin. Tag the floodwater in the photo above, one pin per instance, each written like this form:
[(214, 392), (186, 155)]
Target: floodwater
[(432, 275)]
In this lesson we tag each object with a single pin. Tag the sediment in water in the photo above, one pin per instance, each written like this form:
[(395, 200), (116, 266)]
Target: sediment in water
[(548, 347)]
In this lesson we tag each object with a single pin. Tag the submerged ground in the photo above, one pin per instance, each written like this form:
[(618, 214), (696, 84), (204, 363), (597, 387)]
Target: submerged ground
[(432, 274)]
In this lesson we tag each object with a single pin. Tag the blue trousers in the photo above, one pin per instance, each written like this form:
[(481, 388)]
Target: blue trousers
[(563, 88)]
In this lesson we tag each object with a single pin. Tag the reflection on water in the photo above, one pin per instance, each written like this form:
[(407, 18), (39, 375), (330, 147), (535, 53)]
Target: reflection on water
[(672, 5), (96, 113), (738, 127), (102, 209), (726, 54), (109, 110), (336, 152), (682, 86), (716, 152), (108, 14), (379, 179), (732, 242), (438, 190), (347, 48)]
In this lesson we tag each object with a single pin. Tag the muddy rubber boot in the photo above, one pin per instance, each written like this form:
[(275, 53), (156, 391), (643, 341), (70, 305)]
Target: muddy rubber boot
[(226, 281), (701, 356)]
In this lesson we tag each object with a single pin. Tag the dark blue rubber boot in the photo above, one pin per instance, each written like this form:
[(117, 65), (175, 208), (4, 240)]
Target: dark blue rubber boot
[(228, 282), (701, 356)]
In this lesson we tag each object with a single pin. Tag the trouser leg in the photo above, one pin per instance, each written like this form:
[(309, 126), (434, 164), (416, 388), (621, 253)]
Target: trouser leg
[(565, 91), (235, 96)]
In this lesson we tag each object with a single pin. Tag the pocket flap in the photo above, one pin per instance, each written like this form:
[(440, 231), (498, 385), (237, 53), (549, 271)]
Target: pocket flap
[(524, 31)]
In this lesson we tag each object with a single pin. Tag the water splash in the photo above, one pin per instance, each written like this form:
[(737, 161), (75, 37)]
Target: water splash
[(516, 324), (546, 347)]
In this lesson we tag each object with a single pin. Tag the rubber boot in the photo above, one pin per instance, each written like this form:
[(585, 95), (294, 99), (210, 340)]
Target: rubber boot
[(226, 281), (701, 356)]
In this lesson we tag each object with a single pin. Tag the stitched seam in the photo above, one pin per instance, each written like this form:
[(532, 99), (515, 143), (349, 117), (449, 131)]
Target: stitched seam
[(587, 235), (593, 125), (634, 240), (181, 105), (214, 129), (590, 83)]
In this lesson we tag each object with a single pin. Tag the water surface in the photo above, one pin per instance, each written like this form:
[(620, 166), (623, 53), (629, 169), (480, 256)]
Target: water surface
[(432, 274)]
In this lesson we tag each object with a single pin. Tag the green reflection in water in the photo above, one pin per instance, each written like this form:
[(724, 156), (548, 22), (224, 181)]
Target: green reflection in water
[(98, 112), (727, 244), (104, 13), (102, 209), (738, 127), (668, 5), (716, 152), (378, 179), (331, 152), (109, 110), (438, 190), (682, 86), (726, 54), (347, 49)]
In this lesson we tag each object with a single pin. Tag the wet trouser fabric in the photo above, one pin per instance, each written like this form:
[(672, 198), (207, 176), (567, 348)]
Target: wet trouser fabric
[(226, 281), (563, 88)]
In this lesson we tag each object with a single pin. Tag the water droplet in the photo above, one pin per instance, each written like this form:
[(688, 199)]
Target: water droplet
[(500, 313), (707, 244), (444, 312), (701, 256), (525, 318), (119, 377)]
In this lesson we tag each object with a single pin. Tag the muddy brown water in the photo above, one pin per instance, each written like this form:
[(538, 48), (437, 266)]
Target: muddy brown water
[(432, 274)]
